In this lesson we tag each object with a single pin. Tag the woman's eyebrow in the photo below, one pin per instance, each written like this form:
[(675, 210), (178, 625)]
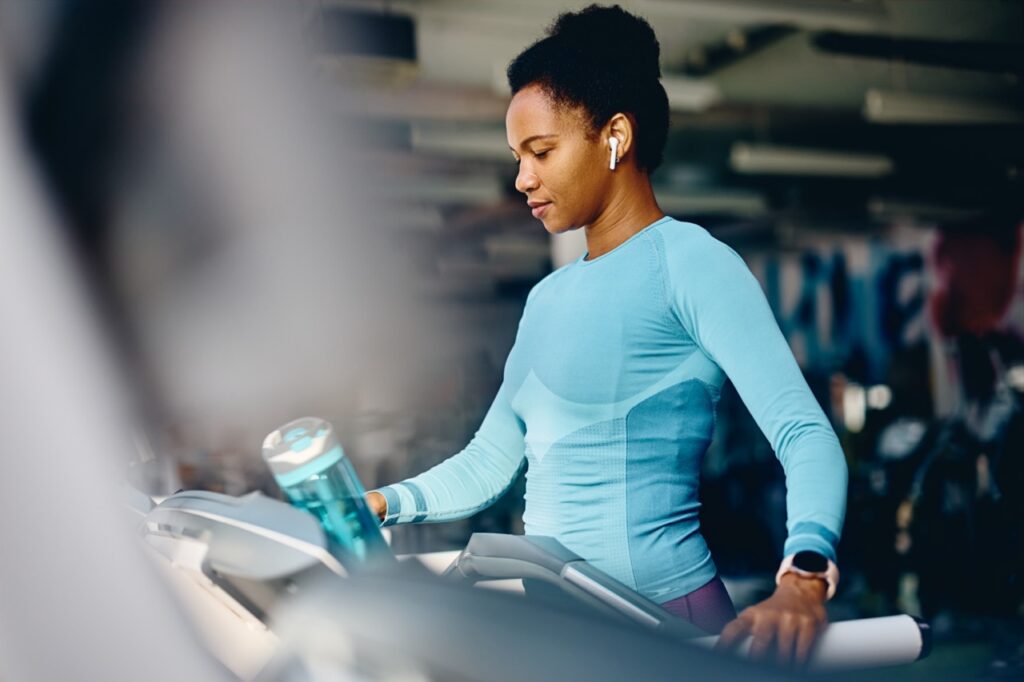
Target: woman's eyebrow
[(532, 138)]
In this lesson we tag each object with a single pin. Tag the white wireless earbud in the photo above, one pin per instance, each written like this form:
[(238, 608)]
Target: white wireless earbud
[(614, 142)]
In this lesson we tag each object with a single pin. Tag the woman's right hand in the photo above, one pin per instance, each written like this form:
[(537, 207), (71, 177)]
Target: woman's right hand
[(378, 505)]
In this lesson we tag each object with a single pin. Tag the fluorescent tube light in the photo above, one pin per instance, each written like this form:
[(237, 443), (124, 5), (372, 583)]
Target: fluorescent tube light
[(890, 106), (774, 160), (436, 190), (889, 208), (684, 93), (464, 142), (712, 202), (690, 94)]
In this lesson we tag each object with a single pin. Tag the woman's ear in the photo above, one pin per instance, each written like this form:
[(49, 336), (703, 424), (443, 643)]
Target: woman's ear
[(620, 127)]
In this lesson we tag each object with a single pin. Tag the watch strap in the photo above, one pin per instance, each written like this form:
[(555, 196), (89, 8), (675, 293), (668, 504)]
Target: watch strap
[(830, 575)]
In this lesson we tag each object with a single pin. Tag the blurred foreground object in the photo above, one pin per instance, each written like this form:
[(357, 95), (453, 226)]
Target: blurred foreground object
[(201, 202), (69, 561)]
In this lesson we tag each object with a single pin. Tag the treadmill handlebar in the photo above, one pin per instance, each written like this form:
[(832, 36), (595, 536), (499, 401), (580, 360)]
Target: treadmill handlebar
[(544, 552), (847, 645), (863, 643), (252, 537), (496, 556)]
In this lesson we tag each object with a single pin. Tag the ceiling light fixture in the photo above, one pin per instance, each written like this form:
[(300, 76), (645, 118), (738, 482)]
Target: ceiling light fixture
[(463, 142), (774, 160), (690, 94), (712, 202), (890, 106)]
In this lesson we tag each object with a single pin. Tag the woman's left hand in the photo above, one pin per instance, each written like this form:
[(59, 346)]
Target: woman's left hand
[(790, 619)]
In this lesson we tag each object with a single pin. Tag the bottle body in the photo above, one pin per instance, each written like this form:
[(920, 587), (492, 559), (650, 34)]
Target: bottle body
[(310, 465)]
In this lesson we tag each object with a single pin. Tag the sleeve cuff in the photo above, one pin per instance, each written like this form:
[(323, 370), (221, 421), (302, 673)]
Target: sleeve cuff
[(406, 503), (393, 507)]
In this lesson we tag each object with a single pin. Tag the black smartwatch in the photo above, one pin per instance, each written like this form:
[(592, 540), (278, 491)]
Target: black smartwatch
[(810, 564)]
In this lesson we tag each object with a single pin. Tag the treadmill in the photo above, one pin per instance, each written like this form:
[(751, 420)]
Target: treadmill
[(256, 556)]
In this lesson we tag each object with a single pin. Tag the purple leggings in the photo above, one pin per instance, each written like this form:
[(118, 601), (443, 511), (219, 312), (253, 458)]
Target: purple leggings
[(708, 607)]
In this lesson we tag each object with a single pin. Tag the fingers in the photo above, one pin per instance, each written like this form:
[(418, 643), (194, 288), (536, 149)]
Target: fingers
[(748, 624), (804, 642), (763, 633), (785, 638), (734, 632), (792, 637)]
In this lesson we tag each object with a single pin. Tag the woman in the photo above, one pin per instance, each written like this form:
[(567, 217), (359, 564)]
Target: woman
[(609, 392)]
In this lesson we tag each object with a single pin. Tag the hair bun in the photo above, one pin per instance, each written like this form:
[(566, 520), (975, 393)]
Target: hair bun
[(602, 60), (611, 38)]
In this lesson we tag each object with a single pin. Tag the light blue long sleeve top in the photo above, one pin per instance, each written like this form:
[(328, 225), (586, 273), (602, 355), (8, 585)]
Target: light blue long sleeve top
[(609, 398)]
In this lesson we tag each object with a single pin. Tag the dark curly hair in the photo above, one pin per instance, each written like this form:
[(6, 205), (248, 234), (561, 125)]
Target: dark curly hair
[(603, 60)]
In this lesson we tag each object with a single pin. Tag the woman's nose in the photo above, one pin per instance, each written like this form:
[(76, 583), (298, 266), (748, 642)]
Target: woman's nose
[(526, 180)]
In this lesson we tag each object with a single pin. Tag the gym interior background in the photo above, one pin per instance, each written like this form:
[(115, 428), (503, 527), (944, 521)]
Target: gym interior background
[(344, 239)]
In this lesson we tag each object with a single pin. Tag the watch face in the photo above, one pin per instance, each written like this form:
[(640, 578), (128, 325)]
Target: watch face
[(812, 562)]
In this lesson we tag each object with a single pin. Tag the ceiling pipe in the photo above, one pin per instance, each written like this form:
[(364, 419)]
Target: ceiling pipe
[(975, 56), (810, 14)]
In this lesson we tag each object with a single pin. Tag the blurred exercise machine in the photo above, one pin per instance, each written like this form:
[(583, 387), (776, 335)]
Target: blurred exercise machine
[(239, 560)]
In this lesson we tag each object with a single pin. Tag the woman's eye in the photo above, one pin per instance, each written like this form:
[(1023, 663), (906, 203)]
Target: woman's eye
[(541, 155)]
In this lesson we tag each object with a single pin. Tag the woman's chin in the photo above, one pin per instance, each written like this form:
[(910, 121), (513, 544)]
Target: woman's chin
[(556, 227)]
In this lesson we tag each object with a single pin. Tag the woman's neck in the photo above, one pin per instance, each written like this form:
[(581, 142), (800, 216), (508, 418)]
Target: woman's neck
[(631, 208)]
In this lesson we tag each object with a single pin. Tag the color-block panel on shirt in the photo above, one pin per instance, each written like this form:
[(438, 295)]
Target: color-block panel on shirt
[(577, 495), (666, 438)]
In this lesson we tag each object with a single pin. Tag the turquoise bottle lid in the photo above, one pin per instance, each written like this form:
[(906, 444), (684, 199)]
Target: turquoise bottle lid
[(300, 449)]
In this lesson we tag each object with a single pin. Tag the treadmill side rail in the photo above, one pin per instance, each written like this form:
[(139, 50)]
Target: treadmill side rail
[(494, 556)]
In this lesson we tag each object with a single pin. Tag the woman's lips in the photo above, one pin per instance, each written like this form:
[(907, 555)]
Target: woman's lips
[(540, 209)]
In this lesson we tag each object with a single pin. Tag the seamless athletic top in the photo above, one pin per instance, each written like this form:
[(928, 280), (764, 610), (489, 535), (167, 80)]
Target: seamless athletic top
[(609, 396)]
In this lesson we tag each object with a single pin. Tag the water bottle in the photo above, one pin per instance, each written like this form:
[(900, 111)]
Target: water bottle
[(310, 466)]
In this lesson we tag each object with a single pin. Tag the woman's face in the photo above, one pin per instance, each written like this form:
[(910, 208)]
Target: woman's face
[(563, 169)]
